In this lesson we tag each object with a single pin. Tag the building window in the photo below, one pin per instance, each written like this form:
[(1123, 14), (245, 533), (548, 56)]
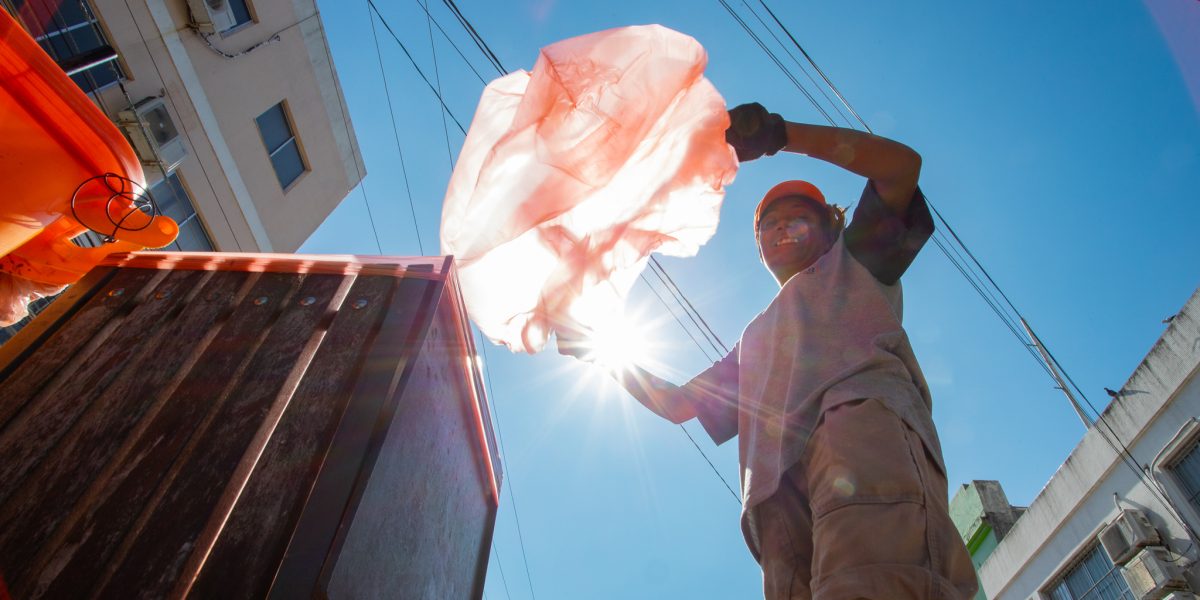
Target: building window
[(1094, 577), (241, 13), (1187, 472), (173, 201), (69, 32), (282, 146)]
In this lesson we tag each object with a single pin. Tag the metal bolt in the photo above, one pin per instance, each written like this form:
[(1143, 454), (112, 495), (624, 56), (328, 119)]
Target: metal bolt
[(360, 304), (261, 300), (161, 295), (307, 301), (116, 292)]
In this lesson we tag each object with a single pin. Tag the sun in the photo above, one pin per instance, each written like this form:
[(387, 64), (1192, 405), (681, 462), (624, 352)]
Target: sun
[(618, 343)]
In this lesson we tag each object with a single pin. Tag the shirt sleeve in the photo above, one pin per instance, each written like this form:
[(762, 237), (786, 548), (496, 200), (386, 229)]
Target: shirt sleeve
[(714, 393), (884, 242)]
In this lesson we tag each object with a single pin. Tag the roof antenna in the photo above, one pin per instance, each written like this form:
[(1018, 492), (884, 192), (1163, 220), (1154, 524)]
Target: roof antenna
[(1062, 385)]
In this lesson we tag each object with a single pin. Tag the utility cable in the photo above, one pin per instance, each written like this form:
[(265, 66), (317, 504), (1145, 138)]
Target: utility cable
[(736, 497), (1111, 436), (478, 39), (396, 134), (783, 68), (812, 62), (487, 373), (707, 356), (702, 325), (437, 77), (495, 61), (445, 35), (171, 100), (503, 579), (413, 61), (807, 75)]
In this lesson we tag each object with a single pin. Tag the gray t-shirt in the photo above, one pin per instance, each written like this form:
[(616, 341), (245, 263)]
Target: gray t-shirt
[(832, 335)]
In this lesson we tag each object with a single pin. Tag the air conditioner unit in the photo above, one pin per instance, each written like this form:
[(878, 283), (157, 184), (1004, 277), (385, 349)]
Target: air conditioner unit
[(1151, 574), (150, 129), (1180, 596), (1130, 532), (212, 16)]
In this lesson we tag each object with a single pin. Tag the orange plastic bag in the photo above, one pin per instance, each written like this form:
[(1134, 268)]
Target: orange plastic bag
[(613, 147), (67, 169)]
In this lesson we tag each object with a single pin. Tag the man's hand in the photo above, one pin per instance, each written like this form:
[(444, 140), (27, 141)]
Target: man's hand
[(572, 340), (754, 132)]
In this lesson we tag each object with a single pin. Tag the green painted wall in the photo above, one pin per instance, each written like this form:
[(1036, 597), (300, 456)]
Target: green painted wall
[(966, 510)]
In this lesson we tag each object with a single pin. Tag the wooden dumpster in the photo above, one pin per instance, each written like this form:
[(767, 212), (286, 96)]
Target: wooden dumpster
[(247, 426)]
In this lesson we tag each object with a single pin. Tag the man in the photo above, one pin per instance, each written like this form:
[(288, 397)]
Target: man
[(843, 484)]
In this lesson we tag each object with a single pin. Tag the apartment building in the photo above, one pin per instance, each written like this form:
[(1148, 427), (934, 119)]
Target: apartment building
[(234, 107), (1119, 519)]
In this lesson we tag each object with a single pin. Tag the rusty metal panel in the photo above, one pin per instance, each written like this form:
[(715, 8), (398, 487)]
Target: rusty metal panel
[(174, 529), (84, 331), (230, 425), (242, 563), (53, 487), (428, 464), (335, 493)]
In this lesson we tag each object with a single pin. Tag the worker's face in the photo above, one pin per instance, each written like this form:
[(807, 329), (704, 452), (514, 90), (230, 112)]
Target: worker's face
[(792, 235)]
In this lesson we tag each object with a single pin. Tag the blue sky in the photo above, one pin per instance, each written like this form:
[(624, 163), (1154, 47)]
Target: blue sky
[(1058, 139)]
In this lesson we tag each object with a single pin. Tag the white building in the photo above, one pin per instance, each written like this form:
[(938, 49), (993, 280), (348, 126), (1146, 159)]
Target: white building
[(233, 105), (1097, 510)]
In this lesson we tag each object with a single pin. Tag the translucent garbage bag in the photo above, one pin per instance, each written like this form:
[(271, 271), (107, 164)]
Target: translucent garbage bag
[(613, 147)]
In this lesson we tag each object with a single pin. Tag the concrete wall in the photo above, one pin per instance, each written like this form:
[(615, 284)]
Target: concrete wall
[(214, 101), (1159, 398)]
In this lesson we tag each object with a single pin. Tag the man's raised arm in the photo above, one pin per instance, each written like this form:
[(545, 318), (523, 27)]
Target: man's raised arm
[(893, 167)]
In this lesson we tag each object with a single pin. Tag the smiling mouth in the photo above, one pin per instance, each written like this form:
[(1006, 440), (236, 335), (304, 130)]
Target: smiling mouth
[(785, 241)]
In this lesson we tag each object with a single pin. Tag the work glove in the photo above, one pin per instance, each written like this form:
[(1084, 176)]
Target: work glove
[(754, 132)]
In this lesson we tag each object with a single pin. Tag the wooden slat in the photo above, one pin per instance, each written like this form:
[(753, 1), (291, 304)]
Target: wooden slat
[(113, 519), (54, 409), (46, 323), (166, 539), (330, 505), (243, 562), (82, 460), (69, 340)]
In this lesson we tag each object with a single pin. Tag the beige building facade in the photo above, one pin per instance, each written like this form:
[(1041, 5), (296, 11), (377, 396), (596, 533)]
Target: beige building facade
[(252, 141), (234, 107)]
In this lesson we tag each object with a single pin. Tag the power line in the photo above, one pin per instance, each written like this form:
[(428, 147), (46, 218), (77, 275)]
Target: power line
[(396, 134), (775, 59), (1111, 436), (706, 331), (812, 62), (437, 76), (411, 60), (478, 39), (807, 75), (504, 455), (445, 35), (692, 312)]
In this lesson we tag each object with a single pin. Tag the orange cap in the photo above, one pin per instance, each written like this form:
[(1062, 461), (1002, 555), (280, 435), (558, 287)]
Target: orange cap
[(795, 187)]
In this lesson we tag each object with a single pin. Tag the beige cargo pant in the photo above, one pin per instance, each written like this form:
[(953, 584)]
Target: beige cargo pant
[(863, 515)]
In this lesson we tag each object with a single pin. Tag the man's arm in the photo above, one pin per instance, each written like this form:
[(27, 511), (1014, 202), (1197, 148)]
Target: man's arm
[(662, 397), (710, 397), (892, 167)]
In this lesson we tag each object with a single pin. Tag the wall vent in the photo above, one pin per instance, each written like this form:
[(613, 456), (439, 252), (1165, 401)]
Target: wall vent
[(212, 16), (1127, 534), (153, 134)]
